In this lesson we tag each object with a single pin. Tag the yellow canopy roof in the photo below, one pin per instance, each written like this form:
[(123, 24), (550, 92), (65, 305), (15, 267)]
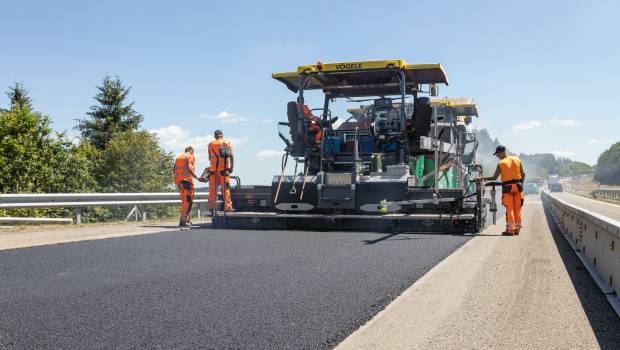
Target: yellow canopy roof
[(462, 106), (363, 78)]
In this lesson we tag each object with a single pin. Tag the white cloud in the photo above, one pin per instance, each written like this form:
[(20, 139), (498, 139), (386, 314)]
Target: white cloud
[(175, 138), (527, 125), (225, 117), (563, 154), (564, 122), (597, 142), (268, 153)]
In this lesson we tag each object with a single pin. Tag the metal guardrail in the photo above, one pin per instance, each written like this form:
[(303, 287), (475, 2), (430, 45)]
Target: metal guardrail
[(83, 200), (593, 237), (607, 193)]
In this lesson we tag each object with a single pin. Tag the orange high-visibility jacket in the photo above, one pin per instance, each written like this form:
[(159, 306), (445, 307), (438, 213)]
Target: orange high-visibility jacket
[(314, 125), (216, 159), (183, 168), (510, 169)]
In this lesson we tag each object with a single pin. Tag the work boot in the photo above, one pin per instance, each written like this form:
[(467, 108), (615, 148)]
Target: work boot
[(507, 233), (182, 223)]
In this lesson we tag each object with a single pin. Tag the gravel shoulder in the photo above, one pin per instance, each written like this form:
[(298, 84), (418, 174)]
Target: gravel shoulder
[(495, 292)]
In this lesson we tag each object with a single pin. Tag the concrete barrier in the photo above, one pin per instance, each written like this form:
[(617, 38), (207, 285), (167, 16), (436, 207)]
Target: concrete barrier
[(596, 240)]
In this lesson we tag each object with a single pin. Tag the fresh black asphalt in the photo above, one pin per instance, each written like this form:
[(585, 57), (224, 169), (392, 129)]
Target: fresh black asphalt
[(204, 288)]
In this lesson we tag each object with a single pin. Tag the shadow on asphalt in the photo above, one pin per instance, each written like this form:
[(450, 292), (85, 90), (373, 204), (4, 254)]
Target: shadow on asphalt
[(373, 241), (160, 226), (604, 321), (405, 236)]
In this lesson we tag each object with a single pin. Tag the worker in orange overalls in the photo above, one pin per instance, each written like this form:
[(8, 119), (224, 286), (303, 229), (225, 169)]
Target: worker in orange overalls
[(221, 166), (511, 171), (314, 126), (184, 176)]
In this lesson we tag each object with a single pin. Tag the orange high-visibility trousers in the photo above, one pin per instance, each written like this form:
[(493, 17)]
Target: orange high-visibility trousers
[(512, 199), (186, 190), (217, 180)]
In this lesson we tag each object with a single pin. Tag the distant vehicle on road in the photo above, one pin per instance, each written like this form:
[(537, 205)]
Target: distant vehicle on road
[(531, 188), (556, 187), (552, 180), (539, 181)]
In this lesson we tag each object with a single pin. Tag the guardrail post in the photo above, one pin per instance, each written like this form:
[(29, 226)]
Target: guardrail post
[(143, 214), (78, 215)]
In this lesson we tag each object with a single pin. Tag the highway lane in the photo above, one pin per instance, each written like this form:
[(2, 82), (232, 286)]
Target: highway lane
[(205, 288), (603, 208)]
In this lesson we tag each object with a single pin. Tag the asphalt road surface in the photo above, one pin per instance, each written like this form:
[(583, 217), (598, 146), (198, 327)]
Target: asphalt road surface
[(603, 208), (204, 288)]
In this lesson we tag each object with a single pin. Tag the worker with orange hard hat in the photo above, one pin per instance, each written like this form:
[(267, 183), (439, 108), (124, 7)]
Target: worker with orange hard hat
[(511, 171), (221, 166), (184, 176)]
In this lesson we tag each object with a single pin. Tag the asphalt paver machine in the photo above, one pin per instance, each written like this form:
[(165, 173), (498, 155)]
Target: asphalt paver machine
[(401, 162)]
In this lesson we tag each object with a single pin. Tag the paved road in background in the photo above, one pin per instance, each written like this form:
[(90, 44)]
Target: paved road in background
[(207, 288), (603, 208)]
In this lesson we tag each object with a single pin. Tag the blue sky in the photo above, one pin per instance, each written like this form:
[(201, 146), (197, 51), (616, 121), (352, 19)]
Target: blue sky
[(543, 73)]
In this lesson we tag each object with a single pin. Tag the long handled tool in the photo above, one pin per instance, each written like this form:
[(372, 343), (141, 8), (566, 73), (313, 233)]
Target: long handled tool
[(284, 160), (301, 196), (293, 189)]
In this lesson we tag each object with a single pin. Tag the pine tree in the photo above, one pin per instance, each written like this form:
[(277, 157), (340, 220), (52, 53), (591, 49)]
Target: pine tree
[(19, 96), (111, 115)]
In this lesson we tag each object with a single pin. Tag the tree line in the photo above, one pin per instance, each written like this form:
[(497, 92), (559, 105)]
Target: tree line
[(606, 171), (112, 154)]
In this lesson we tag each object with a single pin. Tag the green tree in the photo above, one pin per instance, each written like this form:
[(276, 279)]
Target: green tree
[(18, 95), (608, 166), (111, 115), (569, 167), (133, 161), (34, 158)]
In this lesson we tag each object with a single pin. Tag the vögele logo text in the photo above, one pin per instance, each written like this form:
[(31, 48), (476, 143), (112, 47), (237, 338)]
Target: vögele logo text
[(348, 66)]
